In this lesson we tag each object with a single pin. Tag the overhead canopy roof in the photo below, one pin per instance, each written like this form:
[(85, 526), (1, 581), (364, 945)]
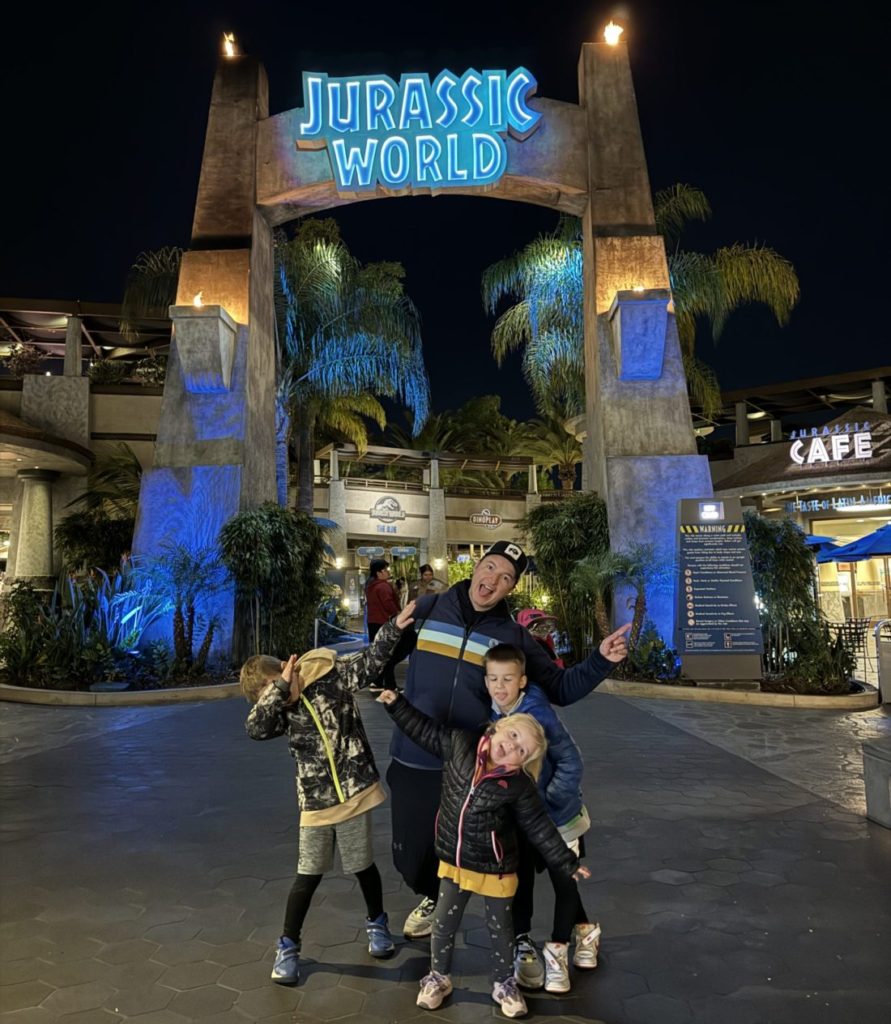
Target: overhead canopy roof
[(795, 398), (43, 322)]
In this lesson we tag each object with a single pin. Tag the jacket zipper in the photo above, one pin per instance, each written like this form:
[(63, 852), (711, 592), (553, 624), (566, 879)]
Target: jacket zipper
[(457, 671), (328, 749)]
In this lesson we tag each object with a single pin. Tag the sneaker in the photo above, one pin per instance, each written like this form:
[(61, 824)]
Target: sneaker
[(556, 958), (434, 988), (529, 969), (380, 941), (587, 946), (508, 997), (286, 969), (420, 921)]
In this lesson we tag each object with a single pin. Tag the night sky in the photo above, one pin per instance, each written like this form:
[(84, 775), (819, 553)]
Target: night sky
[(776, 110)]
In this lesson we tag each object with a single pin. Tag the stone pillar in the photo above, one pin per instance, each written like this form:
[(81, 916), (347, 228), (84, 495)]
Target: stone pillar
[(337, 513), (333, 465), (533, 479), (742, 424), (641, 452), (434, 473), (437, 546), (34, 547), (776, 430), (879, 396), (215, 453), (73, 366)]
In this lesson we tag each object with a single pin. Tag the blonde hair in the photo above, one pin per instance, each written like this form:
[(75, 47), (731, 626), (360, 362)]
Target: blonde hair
[(256, 674), (532, 765)]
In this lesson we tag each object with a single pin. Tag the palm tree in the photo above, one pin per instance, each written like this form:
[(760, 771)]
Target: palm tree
[(150, 289), (546, 280), (344, 331), (551, 445)]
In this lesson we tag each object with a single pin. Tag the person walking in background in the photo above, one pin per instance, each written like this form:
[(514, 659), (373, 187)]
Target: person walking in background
[(312, 700), (559, 785), (426, 583), (381, 604), (488, 791), (445, 680)]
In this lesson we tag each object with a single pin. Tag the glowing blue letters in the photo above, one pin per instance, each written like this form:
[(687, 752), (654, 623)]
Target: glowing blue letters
[(416, 135)]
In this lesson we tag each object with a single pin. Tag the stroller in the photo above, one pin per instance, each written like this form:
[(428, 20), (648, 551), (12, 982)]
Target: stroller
[(541, 625)]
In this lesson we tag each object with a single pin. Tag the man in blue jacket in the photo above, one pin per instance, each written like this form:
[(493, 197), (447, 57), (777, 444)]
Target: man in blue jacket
[(446, 680)]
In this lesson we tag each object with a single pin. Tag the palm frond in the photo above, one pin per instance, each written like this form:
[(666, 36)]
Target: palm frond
[(676, 206), (150, 288)]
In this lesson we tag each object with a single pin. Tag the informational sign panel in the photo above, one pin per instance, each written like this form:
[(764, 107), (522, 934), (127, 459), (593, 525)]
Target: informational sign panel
[(716, 596)]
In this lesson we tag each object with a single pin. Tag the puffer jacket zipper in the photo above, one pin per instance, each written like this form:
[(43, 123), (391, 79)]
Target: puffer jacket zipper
[(328, 750)]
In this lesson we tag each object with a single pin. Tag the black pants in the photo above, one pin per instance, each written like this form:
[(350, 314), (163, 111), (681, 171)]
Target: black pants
[(568, 908), (414, 801), (304, 887), (387, 677), (446, 919)]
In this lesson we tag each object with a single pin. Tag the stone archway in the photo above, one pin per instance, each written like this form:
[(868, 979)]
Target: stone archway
[(216, 446)]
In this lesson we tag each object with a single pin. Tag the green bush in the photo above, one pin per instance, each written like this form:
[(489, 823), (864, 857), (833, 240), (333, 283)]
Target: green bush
[(108, 371)]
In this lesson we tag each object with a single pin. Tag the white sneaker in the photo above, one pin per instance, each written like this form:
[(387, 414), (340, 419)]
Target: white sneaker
[(434, 988), (587, 946), (529, 969), (420, 921), (508, 997), (556, 958)]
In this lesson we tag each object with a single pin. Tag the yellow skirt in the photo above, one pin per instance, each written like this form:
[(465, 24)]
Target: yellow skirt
[(502, 886)]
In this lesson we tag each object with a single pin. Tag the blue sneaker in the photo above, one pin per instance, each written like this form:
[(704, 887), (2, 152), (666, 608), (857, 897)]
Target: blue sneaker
[(380, 941), (286, 969)]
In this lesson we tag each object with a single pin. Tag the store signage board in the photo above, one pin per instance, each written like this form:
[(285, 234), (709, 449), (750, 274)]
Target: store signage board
[(717, 615), (416, 134), (838, 444)]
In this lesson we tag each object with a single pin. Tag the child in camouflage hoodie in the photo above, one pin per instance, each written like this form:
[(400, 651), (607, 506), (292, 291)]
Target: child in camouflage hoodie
[(312, 699)]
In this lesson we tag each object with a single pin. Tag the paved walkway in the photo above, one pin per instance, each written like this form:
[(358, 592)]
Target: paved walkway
[(147, 854)]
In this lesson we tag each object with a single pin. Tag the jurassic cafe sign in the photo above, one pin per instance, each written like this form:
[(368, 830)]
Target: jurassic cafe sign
[(837, 444), (416, 134)]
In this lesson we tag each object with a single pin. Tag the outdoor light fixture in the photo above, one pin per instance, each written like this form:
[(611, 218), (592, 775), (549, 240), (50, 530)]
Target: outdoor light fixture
[(338, 562), (437, 563), (198, 301), (229, 47), (612, 32), (205, 340), (711, 511)]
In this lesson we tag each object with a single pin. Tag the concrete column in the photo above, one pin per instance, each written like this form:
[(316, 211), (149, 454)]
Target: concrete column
[(533, 480), (641, 453), (742, 424), (337, 512), (334, 465), (34, 554), (436, 539), (879, 396), (73, 366), (434, 473), (532, 501), (776, 430)]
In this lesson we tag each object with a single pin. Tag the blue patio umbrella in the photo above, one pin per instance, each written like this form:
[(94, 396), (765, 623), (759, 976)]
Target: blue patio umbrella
[(817, 540), (874, 545)]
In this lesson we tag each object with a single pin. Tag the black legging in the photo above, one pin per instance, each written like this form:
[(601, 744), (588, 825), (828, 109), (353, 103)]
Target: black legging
[(302, 891), (387, 677), (568, 908)]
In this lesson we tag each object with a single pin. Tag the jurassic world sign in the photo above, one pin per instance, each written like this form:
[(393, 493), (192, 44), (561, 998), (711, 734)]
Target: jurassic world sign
[(416, 134)]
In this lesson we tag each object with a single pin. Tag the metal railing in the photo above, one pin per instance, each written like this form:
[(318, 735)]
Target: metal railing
[(337, 629), (882, 636)]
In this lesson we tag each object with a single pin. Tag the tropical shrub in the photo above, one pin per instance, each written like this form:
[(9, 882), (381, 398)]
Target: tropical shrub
[(108, 371), (562, 534), (24, 358), (151, 371), (797, 645), (275, 556)]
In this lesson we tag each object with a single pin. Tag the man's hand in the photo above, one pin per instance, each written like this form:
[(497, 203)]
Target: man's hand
[(387, 696), (615, 647), (291, 675), (404, 618), (582, 872)]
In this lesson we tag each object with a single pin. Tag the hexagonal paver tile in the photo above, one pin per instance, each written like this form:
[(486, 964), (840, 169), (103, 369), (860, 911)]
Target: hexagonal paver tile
[(182, 952), (134, 1000), (77, 998), (328, 1005), (260, 1003), (128, 951), (244, 977), (191, 975), (202, 1002), (230, 954), (26, 993)]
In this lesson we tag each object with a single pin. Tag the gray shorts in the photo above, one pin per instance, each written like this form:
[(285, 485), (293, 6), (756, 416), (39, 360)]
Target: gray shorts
[(352, 838)]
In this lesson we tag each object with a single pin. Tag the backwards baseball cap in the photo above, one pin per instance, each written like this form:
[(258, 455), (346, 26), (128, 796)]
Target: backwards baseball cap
[(512, 552)]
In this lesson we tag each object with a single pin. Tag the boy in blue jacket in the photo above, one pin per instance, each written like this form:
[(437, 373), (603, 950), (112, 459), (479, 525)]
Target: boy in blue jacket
[(560, 788)]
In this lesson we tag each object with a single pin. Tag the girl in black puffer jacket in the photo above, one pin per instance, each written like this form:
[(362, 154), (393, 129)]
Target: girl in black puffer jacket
[(488, 788)]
